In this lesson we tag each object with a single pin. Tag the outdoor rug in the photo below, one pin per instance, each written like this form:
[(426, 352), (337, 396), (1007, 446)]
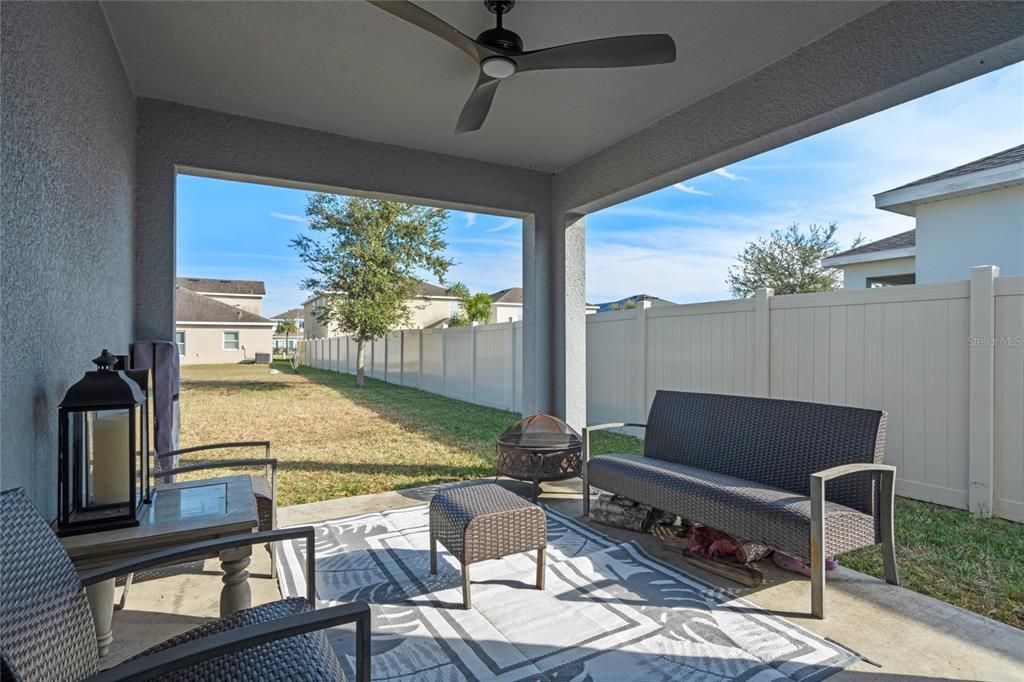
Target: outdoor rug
[(608, 611)]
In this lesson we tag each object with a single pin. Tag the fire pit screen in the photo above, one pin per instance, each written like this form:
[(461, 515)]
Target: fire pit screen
[(540, 448)]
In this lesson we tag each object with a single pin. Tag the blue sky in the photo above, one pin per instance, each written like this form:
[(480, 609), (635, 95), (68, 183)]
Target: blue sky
[(676, 243)]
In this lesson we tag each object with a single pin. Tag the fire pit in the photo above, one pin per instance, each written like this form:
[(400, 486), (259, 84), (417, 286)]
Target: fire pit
[(540, 448)]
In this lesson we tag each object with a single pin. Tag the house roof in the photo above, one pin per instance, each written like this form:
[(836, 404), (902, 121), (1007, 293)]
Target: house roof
[(423, 289), (635, 298), (290, 314), (903, 240), (997, 160), (237, 287), (190, 306), (510, 295), (996, 171)]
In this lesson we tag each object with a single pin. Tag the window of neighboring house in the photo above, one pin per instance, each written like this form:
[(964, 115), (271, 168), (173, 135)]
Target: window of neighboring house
[(179, 338), (230, 340), (891, 280)]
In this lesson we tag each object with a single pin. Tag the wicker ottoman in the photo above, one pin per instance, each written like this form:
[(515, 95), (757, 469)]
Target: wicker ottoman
[(481, 522)]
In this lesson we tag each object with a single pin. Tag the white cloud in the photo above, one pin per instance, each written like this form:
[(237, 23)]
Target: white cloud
[(470, 219), (290, 217), (727, 175), (689, 189), (506, 224)]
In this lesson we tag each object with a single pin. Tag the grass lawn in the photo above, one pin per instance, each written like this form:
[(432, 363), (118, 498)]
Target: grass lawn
[(334, 440)]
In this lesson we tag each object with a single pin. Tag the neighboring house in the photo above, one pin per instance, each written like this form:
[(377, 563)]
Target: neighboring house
[(220, 321), (431, 306), (966, 216), (506, 306), (296, 315), (636, 301)]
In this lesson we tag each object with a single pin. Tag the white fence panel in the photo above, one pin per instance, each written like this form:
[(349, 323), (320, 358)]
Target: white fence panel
[(433, 361), (458, 363), (493, 375), (614, 384), (411, 358), (904, 352), (393, 359), (1009, 399)]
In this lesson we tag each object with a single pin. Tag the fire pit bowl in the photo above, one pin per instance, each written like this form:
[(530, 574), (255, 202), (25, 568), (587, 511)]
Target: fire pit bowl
[(540, 448)]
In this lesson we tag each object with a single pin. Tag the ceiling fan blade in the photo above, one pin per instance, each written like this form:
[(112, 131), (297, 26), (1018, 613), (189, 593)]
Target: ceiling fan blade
[(638, 50), (479, 103), (428, 22)]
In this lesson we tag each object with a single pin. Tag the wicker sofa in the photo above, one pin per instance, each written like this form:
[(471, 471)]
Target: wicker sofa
[(804, 478)]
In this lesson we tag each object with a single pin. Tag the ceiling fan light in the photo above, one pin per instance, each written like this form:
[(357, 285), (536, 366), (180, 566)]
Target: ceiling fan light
[(498, 67)]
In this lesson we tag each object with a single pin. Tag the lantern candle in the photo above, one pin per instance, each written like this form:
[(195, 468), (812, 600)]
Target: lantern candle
[(110, 459)]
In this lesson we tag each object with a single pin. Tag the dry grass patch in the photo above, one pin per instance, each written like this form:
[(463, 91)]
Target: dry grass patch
[(334, 440)]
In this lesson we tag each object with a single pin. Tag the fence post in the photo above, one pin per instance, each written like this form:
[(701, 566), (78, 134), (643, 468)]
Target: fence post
[(762, 342), (510, 367), (641, 357), (419, 369), (444, 360), (401, 357), (472, 362), (981, 406)]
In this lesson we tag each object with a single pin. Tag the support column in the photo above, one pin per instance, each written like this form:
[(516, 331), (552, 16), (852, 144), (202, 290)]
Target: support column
[(554, 316), (981, 410)]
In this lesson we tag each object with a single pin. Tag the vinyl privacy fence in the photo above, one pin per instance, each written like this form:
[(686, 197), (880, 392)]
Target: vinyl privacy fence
[(946, 361)]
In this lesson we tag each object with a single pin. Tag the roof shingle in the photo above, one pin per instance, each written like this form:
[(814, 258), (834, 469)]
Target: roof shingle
[(204, 285), (903, 240), (190, 306), (1003, 158)]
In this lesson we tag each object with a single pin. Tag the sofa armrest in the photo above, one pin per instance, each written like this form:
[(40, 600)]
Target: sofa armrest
[(603, 427), (238, 639), (856, 468)]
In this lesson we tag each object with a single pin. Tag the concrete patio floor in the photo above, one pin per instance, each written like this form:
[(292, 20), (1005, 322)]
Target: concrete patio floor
[(902, 635)]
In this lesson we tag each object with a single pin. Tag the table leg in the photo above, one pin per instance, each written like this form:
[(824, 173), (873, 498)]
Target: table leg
[(466, 602), (540, 567), (101, 603), (433, 555), (236, 593)]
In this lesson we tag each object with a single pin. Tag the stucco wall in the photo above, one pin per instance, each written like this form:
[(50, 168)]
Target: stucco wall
[(204, 345), (981, 229), (501, 312), (68, 130), (855, 276)]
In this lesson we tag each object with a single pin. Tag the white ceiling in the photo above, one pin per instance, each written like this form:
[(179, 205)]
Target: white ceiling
[(350, 68)]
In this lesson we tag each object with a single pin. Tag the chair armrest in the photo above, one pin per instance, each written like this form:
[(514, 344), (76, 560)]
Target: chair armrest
[(238, 639), (217, 446), (182, 552), (218, 464), (612, 425), (847, 469), (602, 427)]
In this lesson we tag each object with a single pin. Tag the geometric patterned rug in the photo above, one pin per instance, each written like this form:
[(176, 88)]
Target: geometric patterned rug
[(609, 612)]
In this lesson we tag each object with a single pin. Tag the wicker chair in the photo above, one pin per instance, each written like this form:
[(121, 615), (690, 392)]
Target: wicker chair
[(804, 478), (46, 629)]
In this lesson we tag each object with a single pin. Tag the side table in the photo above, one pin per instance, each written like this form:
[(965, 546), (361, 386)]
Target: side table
[(180, 513)]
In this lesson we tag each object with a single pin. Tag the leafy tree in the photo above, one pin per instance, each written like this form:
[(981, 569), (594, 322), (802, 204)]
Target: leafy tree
[(365, 266), (475, 307), (788, 261), (286, 327), (624, 305)]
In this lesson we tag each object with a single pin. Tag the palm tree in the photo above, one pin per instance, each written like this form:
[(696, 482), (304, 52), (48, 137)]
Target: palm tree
[(475, 307), (287, 327)]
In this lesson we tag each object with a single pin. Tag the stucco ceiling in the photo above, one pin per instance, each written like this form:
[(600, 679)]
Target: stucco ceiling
[(350, 68)]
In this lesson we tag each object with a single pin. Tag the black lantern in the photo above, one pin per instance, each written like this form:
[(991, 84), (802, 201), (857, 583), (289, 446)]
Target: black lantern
[(104, 450)]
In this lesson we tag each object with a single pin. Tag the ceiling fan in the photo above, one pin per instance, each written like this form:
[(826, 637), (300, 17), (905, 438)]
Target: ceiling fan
[(499, 53)]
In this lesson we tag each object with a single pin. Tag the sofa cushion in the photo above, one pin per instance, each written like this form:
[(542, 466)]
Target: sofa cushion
[(744, 509)]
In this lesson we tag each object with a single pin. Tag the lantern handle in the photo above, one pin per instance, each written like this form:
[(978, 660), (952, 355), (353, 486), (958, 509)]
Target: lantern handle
[(104, 361)]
